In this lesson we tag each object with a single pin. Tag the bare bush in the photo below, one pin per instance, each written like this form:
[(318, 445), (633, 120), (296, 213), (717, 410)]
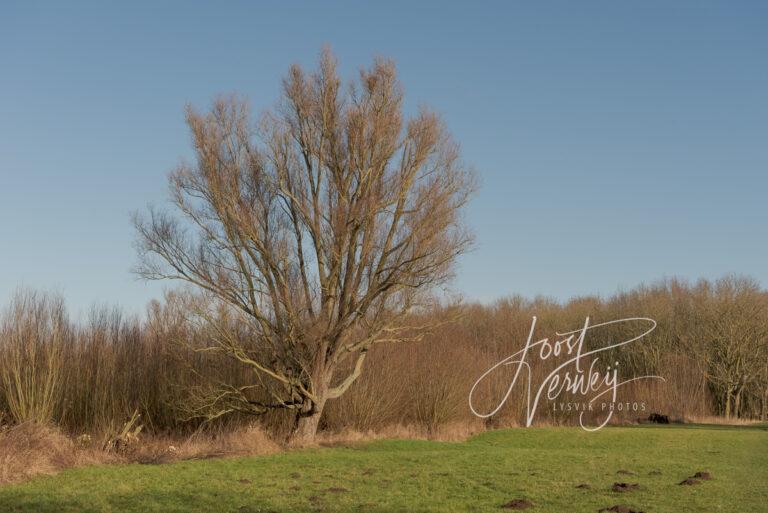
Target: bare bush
[(88, 379), (33, 336)]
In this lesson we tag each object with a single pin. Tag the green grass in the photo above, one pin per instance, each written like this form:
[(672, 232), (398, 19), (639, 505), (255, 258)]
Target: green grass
[(543, 465)]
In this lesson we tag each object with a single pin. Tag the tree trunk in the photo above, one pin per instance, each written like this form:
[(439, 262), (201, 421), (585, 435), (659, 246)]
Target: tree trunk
[(306, 427), (728, 404), (737, 404), (764, 408), (308, 420)]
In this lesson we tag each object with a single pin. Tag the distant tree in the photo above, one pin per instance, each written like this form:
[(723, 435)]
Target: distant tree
[(730, 337), (312, 237), (761, 385)]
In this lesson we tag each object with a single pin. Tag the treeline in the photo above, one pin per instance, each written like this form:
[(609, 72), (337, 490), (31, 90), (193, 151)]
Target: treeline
[(711, 346)]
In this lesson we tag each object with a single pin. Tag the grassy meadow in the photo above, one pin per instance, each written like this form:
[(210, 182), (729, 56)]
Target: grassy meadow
[(542, 465)]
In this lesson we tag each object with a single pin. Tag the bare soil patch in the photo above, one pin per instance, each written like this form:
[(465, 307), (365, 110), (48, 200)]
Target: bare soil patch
[(625, 487), (619, 509), (518, 504)]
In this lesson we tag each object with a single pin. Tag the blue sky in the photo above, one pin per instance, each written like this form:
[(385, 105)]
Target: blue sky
[(618, 142)]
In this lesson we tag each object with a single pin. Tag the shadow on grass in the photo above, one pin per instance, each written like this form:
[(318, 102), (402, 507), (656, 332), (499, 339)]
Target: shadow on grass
[(176, 502), (760, 426)]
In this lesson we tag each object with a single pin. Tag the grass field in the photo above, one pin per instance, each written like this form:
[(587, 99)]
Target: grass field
[(542, 465)]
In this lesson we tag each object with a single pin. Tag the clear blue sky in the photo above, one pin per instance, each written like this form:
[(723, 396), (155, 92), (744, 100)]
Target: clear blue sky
[(618, 142)]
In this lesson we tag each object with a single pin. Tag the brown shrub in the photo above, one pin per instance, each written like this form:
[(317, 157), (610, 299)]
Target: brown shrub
[(91, 376)]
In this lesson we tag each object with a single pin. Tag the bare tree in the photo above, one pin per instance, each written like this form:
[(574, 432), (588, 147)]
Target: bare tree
[(730, 333), (312, 236), (761, 384)]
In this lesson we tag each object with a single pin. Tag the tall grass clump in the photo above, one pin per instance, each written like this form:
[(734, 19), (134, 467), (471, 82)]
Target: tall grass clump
[(34, 332)]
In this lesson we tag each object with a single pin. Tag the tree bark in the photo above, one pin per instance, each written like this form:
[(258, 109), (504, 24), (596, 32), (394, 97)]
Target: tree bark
[(306, 427), (737, 404), (308, 419)]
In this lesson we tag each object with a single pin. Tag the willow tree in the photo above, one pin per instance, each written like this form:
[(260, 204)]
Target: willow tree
[(314, 234)]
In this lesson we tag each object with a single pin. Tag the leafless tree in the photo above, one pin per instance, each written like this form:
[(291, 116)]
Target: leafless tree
[(730, 335), (311, 236), (761, 384)]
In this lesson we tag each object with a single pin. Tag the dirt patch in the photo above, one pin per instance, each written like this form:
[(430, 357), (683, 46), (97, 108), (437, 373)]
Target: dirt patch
[(689, 482), (294, 475), (584, 486), (619, 509), (623, 472), (625, 487), (336, 489), (654, 473), (518, 504), (244, 481), (706, 476), (315, 499), (369, 472)]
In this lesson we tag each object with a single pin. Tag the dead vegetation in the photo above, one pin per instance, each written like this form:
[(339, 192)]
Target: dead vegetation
[(32, 449)]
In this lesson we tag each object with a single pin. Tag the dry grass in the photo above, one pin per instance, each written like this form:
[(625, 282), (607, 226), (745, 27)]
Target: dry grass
[(247, 441), (453, 432), (31, 449), (712, 419)]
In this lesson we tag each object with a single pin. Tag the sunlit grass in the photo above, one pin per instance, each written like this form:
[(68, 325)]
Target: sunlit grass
[(542, 465)]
